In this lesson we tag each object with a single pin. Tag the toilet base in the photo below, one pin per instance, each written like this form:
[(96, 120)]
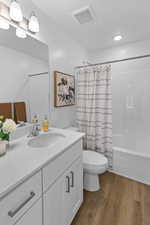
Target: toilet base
[(91, 182)]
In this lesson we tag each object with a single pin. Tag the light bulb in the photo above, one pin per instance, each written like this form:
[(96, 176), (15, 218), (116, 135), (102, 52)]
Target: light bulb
[(21, 33), (34, 23), (117, 38), (4, 24), (15, 11)]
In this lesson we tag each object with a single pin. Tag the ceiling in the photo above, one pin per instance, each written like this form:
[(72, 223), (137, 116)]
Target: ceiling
[(130, 18)]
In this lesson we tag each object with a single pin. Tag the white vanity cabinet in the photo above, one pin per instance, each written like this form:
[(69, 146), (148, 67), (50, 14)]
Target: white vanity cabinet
[(52, 196), (64, 197)]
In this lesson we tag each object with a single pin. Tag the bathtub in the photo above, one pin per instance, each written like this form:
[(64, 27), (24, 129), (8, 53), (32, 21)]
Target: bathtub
[(132, 158)]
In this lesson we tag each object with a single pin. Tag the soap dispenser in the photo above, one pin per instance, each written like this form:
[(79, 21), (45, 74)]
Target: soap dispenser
[(45, 124)]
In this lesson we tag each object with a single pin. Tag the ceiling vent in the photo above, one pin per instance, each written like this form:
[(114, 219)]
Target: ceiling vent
[(84, 15)]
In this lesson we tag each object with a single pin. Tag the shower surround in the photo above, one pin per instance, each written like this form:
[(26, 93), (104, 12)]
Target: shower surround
[(131, 122)]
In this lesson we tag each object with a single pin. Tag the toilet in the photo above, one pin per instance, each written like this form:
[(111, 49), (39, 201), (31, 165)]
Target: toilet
[(94, 164)]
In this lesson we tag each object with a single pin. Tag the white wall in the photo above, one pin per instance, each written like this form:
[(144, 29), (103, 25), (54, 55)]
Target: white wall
[(120, 52), (64, 55)]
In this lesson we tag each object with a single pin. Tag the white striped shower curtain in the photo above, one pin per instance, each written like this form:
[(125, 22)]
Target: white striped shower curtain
[(94, 108)]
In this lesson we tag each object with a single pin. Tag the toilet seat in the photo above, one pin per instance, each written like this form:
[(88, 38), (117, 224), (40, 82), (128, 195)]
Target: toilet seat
[(94, 162)]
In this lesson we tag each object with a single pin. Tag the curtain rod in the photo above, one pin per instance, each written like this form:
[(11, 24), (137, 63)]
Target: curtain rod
[(37, 74), (114, 61)]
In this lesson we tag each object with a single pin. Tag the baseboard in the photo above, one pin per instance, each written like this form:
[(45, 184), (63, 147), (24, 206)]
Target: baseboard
[(129, 177)]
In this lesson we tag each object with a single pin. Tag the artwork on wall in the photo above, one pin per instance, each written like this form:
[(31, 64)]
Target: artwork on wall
[(64, 89)]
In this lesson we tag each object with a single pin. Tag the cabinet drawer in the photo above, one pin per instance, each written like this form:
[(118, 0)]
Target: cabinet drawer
[(33, 216), (15, 204), (55, 168)]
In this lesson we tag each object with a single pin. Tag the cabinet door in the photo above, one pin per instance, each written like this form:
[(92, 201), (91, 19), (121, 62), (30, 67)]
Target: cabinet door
[(66, 199), (33, 216), (53, 204), (76, 175), (72, 191)]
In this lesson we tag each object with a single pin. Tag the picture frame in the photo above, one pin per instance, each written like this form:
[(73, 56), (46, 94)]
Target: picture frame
[(64, 89)]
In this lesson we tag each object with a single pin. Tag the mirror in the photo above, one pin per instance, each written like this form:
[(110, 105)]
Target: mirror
[(24, 77)]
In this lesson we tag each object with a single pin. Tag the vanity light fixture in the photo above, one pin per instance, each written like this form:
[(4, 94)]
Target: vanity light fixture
[(21, 33), (15, 11), (118, 38), (4, 24), (12, 16), (33, 25)]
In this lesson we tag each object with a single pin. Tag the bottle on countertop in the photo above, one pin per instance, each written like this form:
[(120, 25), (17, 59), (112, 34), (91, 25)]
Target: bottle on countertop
[(35, 119), (45, 124)]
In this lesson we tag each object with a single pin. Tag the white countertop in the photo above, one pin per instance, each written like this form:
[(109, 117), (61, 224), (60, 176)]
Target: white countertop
[(22, 161)]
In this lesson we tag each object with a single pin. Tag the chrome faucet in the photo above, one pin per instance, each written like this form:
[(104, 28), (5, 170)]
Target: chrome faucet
[(35, 130)]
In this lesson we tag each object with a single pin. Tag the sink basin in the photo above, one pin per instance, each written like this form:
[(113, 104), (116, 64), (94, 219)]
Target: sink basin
[(45, 140)]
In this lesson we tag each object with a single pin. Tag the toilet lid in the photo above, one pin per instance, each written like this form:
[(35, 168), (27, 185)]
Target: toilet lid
[(94, 158)]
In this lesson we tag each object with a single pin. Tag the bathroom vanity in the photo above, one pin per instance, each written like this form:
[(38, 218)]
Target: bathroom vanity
[(42, 185)]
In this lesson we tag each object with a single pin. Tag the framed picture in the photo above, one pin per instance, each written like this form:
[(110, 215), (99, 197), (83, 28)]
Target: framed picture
[(64, 89)]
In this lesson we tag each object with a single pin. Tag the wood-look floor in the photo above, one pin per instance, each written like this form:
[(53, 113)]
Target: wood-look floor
[(120, 202)]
